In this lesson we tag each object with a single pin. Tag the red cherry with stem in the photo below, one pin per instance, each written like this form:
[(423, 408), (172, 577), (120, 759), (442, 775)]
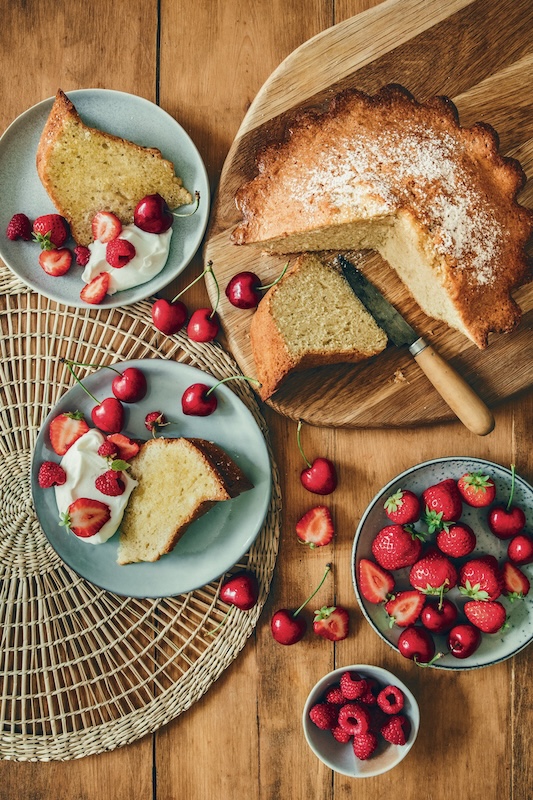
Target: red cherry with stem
[(286, 626), (520, 549), (244, 289), (439, 617), (107, 415), (506, 521), (417, 644), (130, 386), (203, 325), (241, 590), (169, 316), (152, 214), (463, 640), (199, 399), (320, 477)]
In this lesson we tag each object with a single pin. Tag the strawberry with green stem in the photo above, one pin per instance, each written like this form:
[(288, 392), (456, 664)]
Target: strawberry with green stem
[(477, 490), (403, 507)]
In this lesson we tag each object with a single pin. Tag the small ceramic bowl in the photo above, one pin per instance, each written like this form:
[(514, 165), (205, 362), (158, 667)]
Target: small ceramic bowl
[(341, 757)]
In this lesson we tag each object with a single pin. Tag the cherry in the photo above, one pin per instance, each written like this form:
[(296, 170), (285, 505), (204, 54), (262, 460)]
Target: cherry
[(417, 644), (320, 477), (244, 289), (130, 386), (463, 640), (286, 626), (199, 399), (520, 549), (153, 215), (107, 415), (203, 325), (438, 617), (505, 521), (169, 316), (241, 590)]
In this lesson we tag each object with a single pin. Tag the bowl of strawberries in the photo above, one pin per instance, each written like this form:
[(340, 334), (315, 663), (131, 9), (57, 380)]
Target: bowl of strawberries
[(442, 561), (361, 720)]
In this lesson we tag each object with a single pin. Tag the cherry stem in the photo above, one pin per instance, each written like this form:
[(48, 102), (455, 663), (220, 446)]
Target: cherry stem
[(232, 378), (220, 624), (93, 366), (208, 269), (189, 213), (328, 569), (270, 285), (298, 440), (428, 663), (69, 367), (508, 508)]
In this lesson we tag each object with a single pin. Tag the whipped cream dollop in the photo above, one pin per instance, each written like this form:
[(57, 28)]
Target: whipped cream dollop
[(151, 253), (83, 465)]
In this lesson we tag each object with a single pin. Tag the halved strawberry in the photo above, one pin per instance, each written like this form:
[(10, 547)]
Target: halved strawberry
[(375, 583), (85, 517), (125, 447), (106, 226), (315, 528), (405, 607), (515, 584), (331, 622), (55, 262), (65, 429), (95, 291)]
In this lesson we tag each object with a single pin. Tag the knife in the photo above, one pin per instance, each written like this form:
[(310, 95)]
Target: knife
[(457, 393)]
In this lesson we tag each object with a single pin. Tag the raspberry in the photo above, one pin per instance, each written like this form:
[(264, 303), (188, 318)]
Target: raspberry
[(340, 735), (51, 474), (324, 715), (107, 449), (82, 254), (153, 420), (353, 686), (19, 227), (364, 745), (391, 700), (354, 719), (335, 695), (396, 729), (119, 252), (110, 484)]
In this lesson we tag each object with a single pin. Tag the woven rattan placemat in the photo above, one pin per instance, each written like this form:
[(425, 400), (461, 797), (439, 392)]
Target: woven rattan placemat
[(83, 670)]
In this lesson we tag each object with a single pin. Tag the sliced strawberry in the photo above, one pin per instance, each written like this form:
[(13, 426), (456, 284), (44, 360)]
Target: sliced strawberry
[(375, 583), (55, 262), (65, 429), (125, 447), (315, 528), (95, 291), (405, 607), (331, 622), (85, 517), (515, 584), (106, 226)]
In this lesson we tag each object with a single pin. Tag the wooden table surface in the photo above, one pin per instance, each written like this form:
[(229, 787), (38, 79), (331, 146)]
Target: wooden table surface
[(204, 62)]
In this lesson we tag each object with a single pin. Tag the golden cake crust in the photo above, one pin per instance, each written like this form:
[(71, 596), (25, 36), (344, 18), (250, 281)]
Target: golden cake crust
[(342, 179)]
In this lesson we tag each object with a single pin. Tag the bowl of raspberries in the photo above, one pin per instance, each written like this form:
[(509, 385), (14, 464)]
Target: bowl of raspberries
[(442, 563), (361, 720)]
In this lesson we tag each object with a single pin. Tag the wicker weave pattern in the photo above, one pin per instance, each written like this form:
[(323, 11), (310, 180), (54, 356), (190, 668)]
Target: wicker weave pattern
[(83, 670)]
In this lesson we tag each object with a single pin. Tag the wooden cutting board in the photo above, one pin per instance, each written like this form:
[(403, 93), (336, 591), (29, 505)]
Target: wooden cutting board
[(481, 55)]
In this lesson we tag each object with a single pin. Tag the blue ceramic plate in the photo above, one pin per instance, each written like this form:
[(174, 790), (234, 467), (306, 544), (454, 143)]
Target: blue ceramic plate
[(494, 647), (121, 114), (212, 544)]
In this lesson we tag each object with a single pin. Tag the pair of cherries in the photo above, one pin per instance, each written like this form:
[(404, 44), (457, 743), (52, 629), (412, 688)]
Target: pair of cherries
[(169, 316)]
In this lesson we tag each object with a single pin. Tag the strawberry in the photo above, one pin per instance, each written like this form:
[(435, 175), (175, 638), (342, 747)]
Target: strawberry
[(106, 226), (391, 700), (396, 546), (487, 615), (331, 622), (364, 744), (324, 715), (480, 578), (55, 262), (515, 584), (456, 541), (51, 474), (354, 718), (95, 291), (65, 429), (433, 574), (396, 729), (82, 254), (405, 607), (443, 504), (403, 507), (125, 448), (340, 735), (50, 231), (315, 528), (375, 583), (110, 483), (119, 252), (353, 686), (476, 489), (19, 227), (85, 517)]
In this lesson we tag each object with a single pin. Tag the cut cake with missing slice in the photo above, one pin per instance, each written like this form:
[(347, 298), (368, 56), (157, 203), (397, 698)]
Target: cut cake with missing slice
[(179, 480), (85, 170)]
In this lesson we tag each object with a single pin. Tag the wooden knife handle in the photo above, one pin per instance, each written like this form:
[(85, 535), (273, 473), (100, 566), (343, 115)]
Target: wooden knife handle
[(460, 397)]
